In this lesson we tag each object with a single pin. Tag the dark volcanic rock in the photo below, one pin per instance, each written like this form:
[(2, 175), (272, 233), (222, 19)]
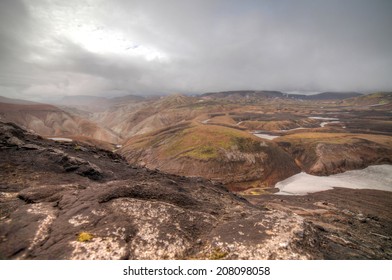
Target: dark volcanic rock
[(81, 166), (62, 202)]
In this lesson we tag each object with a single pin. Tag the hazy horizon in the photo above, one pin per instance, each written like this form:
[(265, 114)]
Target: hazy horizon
[(117, 48), (59, 98)]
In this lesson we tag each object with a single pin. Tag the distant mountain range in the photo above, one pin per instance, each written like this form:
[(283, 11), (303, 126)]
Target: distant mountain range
[(278, 94), (96, 103), (15, 101)]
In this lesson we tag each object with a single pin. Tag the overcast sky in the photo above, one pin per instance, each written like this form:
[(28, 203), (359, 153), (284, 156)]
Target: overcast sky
[(112, 48)]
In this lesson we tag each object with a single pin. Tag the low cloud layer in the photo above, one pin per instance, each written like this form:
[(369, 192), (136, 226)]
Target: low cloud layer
[(50, 49)]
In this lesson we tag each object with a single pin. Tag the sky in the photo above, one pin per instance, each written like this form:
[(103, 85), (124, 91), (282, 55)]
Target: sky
[(50, 49)]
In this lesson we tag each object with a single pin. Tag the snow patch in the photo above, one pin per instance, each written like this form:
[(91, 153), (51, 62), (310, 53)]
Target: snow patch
[(61, 139), (376, 177), (323, 124), (324, 119), (285, 130), (265, 136)]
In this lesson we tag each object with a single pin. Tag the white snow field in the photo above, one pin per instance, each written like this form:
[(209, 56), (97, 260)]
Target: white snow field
[(377, 177)]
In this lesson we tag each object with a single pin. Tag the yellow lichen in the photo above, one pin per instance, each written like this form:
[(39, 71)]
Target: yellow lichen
[(85, 237), (217, 254)]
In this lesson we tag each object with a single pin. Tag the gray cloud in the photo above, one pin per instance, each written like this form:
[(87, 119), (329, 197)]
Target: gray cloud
[(55, 48)]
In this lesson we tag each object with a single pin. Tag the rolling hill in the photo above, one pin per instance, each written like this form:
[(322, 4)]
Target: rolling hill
[(330, 153), (224, 154), (49, 120)]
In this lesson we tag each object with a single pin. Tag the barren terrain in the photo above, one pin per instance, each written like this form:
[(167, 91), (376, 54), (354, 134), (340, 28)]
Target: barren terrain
[(68, 201), (182, 177)]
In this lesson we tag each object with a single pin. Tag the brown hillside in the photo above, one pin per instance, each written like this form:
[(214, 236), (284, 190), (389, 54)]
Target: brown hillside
[(215, 152)]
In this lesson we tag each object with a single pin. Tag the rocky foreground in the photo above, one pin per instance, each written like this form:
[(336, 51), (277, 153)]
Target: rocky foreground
[(73, 201)]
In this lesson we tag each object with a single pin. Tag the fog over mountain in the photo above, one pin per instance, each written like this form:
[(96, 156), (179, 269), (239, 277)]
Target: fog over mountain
[(50, 49)]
